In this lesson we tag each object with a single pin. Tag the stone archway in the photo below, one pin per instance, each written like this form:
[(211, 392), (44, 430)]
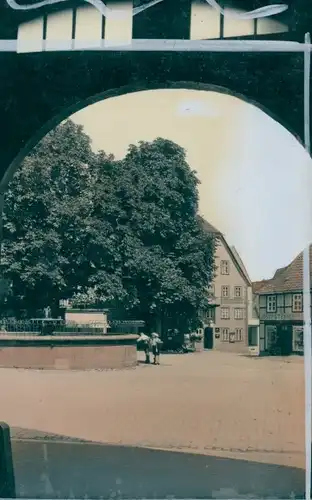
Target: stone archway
[(81, 104), (36, 87)]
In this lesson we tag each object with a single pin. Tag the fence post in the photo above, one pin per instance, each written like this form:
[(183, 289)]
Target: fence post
[(7, 479)]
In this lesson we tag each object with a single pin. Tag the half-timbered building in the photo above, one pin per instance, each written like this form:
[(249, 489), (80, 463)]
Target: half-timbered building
[(280, 304)]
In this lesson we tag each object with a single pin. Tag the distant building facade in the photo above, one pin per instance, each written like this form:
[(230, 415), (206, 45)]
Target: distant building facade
[(280, 305), (230, 323)]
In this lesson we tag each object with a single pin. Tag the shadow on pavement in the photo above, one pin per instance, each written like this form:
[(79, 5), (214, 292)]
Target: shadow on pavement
[(50, 466)]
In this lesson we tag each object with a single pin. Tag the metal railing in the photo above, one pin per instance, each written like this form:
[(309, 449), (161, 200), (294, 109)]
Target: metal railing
[(125, 326), (49, 327), (42, 326)]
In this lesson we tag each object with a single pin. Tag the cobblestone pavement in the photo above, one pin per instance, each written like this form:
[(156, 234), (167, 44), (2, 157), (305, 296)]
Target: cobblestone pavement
[(210, 403)]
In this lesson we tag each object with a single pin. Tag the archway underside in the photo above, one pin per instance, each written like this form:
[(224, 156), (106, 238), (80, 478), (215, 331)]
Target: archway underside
[(40, 90)]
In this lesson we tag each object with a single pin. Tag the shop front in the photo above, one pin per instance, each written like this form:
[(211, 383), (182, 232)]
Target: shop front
[(281, 338)]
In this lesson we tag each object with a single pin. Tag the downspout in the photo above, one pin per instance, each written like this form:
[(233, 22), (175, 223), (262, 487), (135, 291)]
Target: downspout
[(247, 317), (1, 241), (306, 280)]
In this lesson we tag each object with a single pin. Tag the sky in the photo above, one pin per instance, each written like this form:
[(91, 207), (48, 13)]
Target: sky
[(254, 174)]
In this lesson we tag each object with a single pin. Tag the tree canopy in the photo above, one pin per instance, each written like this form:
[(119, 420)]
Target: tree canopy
[(124, 232)]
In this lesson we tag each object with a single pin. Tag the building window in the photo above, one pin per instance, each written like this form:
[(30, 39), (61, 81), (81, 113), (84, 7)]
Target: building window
[(238, 313), (225, 291), (238, 334), (225, 334), (238, 291), (271, 303), (297, 302), (210, 314), (225, 267), (225, 313), (211, 289)]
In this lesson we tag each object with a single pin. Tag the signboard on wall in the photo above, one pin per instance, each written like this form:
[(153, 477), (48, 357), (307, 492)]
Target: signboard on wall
[(281, 316)]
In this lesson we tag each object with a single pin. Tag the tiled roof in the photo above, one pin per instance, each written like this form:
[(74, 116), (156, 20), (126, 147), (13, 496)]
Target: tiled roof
[(279, 271), (286, 279), (257, 285)]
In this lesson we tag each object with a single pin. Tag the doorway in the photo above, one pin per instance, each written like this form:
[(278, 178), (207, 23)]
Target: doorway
[(279, 339), (284, 339), (208, 338)]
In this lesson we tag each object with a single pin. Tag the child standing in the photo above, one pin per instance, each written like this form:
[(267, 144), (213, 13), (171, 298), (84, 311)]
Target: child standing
[(156, 343), (146, 344)]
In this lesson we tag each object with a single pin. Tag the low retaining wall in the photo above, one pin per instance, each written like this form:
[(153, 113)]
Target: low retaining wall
[(68, 353)]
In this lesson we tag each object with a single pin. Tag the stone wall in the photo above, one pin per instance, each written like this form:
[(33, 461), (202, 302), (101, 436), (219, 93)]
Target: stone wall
[(68, 353)]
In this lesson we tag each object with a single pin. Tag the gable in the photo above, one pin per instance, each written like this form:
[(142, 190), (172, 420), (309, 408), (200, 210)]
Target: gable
[(224, 252), (235, 276)]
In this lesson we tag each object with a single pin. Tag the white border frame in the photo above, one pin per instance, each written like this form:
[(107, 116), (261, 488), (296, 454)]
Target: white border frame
[(156, 45), (307, 285), (216, 46)]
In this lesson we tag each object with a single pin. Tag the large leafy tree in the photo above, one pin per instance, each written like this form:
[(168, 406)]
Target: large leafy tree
[(46, 210), (123, 233), (165, 260)]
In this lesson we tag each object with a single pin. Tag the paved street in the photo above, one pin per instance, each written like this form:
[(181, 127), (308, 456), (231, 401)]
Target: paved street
[(218, 424)]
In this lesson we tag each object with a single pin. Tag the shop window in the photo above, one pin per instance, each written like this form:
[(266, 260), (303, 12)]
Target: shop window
[(298, 338)]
